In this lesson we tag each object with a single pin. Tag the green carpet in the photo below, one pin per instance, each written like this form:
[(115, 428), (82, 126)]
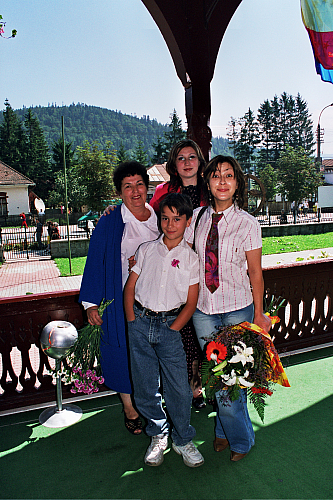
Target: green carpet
[(98, 459)]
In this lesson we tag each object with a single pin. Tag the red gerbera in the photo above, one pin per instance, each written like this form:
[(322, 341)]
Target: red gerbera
[(219, 350)]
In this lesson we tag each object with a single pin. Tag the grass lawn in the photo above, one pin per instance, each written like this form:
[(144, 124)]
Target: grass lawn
[(297, 243), (78, 264), (271, 245)]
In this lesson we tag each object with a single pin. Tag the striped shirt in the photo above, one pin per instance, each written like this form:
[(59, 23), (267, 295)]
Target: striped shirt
[(238, 232)]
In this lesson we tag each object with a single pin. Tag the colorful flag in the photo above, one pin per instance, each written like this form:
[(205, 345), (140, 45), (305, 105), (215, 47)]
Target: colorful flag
[(317, 16)]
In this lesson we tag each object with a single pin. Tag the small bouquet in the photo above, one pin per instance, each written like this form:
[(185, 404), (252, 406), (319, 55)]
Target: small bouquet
[(83, 367), (242, 356)]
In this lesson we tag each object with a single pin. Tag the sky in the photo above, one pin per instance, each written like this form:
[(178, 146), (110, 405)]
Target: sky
[(110, 53)]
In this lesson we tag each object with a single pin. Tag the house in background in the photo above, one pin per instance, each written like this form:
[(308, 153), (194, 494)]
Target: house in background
[(157, 175), (14, 195), (327, 170)]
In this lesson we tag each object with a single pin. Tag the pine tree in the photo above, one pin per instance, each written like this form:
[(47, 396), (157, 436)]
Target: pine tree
[(233, 134), (303, 135), (140, 154), (12, 139), (37, 159), (247, 141), (161, 153), (122, 154), (176, 132), (58, 155)]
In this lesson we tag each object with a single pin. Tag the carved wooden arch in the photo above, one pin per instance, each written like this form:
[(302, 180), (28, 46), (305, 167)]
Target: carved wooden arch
[(193, 31)]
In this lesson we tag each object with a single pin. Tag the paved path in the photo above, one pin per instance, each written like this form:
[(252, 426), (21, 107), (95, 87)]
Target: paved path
[(42, 275), (34, 276)]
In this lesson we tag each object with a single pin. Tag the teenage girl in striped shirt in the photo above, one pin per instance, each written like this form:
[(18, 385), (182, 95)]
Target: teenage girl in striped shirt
[(228, 240)]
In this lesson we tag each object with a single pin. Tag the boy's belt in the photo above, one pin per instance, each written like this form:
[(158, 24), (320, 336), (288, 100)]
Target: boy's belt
[(149, 312)]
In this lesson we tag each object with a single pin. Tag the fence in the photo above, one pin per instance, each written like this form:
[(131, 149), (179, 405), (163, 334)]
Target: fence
[(306, 321), (271, 218), (23, 243)]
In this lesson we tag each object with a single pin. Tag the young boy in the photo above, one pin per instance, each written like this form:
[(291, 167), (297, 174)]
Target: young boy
[(160, 297)]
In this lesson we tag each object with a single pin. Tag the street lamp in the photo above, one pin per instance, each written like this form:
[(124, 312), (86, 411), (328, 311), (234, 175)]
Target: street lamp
[(318, 133)]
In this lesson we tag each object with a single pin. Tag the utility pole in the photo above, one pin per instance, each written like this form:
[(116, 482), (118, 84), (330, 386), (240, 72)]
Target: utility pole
[(320, 133)]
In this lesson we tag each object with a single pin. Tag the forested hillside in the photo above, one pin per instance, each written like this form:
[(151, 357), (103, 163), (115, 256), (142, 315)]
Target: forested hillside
[(83, 122)]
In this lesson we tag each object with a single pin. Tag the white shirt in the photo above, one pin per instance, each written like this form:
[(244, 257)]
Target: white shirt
[(135, 232), (164, 275), (238, 232)]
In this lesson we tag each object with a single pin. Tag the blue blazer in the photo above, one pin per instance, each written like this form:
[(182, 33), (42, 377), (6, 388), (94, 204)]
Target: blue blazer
[(102, 279)]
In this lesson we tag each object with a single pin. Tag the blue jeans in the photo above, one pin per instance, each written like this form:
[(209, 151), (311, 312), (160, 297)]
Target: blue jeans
[(233, 421), (157, 351)]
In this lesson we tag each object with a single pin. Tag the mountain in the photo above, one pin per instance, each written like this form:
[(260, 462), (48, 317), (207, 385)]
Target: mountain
[(92, 123)]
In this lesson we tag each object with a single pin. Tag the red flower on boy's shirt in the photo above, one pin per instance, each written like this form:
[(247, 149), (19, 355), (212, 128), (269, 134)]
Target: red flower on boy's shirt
[(175, 263)]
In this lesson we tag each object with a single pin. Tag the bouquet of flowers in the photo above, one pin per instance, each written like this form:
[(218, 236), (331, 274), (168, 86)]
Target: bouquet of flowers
[(242, 356), (83, 367)]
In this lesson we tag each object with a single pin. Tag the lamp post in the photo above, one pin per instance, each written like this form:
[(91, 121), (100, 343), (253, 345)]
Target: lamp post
[(318, 133)]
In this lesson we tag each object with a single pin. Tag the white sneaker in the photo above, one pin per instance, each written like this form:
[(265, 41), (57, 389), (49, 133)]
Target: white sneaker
[(191, 455), (154, 455)]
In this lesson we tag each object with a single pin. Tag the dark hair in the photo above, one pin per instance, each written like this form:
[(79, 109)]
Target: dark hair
[(239, 196), (128, 169), (175, 180), (179, 202)]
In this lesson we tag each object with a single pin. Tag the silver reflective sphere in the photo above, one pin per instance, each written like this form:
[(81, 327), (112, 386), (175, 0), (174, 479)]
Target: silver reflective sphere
[(57, 337)]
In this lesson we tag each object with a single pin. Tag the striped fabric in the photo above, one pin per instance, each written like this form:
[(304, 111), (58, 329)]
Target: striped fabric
[(317, 16), (238, 232)]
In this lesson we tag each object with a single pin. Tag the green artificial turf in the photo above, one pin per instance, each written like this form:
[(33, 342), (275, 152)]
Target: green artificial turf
[(97, 458)]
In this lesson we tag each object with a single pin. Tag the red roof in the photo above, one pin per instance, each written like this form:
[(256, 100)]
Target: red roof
[(11, 177)]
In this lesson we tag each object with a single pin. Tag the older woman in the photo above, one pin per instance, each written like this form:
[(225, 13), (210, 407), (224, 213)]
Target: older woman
[(115, 239)]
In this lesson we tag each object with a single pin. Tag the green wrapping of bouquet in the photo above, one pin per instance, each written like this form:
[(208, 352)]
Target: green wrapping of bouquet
[(86, 352)]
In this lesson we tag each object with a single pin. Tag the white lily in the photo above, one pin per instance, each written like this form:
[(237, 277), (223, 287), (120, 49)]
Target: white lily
[(233, 379), (243, 381), (243, 354), (230, 379)]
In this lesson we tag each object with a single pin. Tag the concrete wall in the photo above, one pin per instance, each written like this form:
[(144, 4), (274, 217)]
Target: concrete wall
[(291, 229), (79, 248)]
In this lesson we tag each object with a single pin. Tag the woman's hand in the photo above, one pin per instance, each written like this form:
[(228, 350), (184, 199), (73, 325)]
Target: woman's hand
[(263, 321), (109, 209), (93, 316)]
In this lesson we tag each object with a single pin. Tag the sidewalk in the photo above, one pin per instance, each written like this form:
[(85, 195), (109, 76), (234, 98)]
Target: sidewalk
[(26, 277)]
